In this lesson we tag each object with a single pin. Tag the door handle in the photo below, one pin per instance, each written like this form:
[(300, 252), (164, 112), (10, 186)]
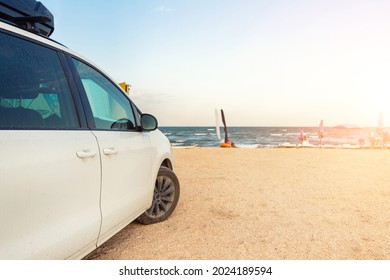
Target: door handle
[(110, 151), (86, 153)]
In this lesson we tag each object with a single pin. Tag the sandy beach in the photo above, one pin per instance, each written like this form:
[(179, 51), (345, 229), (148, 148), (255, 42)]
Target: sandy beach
[(275, 204)]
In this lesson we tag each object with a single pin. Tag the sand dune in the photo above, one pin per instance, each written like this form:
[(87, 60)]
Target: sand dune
[(269, 204)]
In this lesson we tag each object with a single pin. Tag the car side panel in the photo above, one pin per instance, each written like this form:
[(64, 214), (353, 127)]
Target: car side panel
[(127, 183), (49, 197), (161, 150)]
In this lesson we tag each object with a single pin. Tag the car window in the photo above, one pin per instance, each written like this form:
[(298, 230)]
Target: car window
[(34, 91), (110, 108)]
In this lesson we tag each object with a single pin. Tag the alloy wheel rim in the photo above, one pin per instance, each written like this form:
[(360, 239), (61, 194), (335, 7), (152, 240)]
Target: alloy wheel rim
[(163, 197)]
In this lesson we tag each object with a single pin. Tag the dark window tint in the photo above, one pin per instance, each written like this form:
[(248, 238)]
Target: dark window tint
[(137, 115), (34, 92), (110, 108)]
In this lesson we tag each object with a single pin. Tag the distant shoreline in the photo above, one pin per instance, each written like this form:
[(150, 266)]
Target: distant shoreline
[(273, 137)]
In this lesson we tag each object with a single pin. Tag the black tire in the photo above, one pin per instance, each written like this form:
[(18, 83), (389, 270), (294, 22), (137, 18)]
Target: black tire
[(165, 197)]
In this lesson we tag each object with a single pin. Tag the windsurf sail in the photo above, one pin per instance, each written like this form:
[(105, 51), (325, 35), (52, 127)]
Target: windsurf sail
[(227, 143), (301, 136), (224, 126), (321, 131), (217, 130)]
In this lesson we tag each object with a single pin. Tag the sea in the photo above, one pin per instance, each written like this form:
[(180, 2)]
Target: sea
[(264, 137)]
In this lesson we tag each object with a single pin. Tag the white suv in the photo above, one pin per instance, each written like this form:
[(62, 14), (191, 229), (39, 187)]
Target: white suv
[(79, 161)]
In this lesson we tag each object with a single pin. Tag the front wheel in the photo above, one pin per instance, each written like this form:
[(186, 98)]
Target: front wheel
[(165, 197)]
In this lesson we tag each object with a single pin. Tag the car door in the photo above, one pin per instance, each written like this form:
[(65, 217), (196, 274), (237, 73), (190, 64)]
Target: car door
[(126, 153), (49, 164)]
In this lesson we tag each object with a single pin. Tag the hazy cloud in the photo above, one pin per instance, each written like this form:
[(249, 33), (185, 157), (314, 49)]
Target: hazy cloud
[(163, 9), (150, 98)]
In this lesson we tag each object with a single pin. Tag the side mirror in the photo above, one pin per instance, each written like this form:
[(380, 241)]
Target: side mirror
[(148, 122)]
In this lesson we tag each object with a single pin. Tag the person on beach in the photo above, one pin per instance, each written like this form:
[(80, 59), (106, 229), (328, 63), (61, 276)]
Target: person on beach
[(302, 138)]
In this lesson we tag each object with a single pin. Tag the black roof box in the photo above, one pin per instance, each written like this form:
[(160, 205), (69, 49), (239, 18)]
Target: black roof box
[(30, 15)]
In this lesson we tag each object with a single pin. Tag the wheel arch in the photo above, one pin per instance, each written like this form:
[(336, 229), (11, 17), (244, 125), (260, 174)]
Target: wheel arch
[(167, 163)]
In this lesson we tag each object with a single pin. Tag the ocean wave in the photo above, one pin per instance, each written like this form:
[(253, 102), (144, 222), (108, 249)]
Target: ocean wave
[(262, 146), (267, 137), (177, 144)]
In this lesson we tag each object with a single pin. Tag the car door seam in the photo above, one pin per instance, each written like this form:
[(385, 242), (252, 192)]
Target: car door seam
[(101, 187)]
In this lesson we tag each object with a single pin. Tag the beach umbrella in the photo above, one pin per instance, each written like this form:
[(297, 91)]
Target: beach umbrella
[(321, 131), (348, 127)]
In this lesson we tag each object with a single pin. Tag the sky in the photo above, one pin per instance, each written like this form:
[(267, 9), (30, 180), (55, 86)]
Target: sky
[(264, 62)]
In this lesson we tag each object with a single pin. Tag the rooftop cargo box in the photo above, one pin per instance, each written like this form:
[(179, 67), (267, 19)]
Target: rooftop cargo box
[(30, 15)]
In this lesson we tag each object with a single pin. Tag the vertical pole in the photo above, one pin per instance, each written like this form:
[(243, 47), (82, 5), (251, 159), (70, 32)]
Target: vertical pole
[(224, 126)]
